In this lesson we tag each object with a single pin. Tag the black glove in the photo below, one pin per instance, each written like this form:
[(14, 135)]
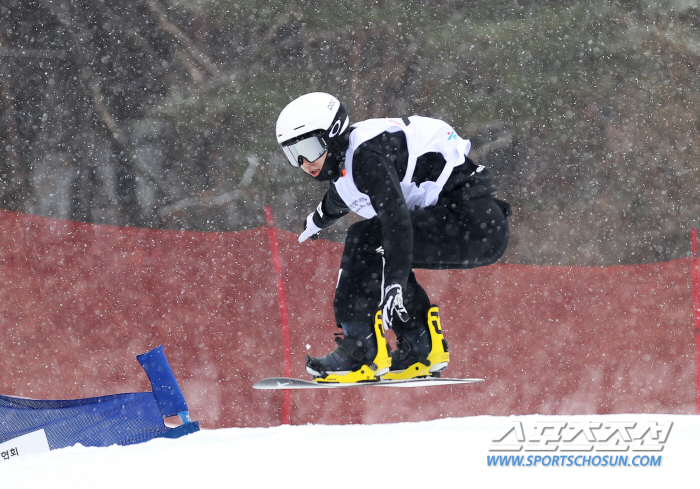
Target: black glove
[(392, 302)]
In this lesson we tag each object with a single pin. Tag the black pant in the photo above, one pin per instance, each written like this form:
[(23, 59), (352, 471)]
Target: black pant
[(449, 235)]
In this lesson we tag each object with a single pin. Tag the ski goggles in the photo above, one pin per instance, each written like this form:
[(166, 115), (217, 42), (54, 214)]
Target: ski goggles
[(310, 148)]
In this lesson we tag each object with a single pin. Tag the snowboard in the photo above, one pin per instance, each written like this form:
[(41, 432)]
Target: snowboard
[(275, 383)]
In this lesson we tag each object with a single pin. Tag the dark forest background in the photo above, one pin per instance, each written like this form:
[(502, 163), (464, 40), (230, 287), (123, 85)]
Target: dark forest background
[(161, 113)]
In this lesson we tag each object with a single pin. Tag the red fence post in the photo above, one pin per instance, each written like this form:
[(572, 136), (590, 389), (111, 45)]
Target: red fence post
[(284, 316), (696, 310)]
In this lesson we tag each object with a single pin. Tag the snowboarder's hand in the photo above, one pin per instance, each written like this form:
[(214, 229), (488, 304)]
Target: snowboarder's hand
[(311, 230), (392, 303)]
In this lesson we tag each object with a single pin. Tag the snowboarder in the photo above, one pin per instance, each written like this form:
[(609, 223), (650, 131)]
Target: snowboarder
[(426, 204)]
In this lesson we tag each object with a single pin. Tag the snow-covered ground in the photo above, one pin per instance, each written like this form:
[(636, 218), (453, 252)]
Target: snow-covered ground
[(447, 453)]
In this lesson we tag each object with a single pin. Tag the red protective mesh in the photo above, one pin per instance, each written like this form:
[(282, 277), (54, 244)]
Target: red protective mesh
[(79, 301)]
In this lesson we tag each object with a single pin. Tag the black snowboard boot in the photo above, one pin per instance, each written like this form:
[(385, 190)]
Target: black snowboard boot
[(361, 355)]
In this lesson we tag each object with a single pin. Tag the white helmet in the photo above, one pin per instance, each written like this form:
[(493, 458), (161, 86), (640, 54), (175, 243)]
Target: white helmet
[(306, 126)]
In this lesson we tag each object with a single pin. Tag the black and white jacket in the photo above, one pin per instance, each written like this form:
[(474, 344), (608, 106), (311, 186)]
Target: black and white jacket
[(393, 166)]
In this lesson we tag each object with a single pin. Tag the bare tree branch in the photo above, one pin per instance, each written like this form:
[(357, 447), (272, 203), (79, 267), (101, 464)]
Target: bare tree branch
[(180, 36), (123, 25), (191, 67), (204, 203), (33, 53), (82, 57), (216, 200), (491, 146)]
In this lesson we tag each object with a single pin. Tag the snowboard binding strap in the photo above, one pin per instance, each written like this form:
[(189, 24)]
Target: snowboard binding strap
[(434, 363), (372, 369)]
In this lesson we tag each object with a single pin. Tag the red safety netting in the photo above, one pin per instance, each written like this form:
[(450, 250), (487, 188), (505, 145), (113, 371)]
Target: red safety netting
[(79, 301)]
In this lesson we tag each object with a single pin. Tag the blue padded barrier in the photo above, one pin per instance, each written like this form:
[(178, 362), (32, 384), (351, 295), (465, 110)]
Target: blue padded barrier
[(121, 419)]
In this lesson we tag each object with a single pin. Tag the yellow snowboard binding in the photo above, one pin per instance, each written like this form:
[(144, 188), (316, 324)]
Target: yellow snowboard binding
[(416, 356), (368, 370)]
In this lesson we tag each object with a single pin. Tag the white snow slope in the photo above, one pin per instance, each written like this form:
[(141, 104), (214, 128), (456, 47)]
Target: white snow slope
[(446, 453)]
